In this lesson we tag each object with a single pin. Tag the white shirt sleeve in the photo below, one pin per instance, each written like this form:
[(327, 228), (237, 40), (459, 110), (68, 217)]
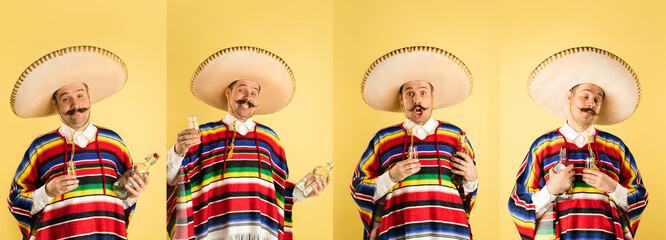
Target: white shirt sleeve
[(470, 186), (383, 184), (39, 200), (542, 200), (620, 197), (173, 166)]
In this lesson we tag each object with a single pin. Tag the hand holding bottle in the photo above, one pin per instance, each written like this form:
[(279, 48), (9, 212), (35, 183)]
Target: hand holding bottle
[(313, 183), (560, 182), (137, 184), (464, 166), (61, 185), (407, 167)]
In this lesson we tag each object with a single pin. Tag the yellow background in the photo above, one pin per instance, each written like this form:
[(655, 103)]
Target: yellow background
[(133, 30), (329, 45)]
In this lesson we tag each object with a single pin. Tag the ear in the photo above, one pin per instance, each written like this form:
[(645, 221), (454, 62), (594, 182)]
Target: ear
[(227, 92), (569, 95), (400, 100)]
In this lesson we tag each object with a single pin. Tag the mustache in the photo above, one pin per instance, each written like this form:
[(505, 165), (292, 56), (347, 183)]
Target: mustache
[(74, 110), (242, 101), (590, 110), (419, 106)]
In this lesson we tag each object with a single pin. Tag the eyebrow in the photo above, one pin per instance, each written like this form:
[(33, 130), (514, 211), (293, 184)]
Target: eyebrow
[(78, 90), (589, 90), (243, 84), (419, 88)]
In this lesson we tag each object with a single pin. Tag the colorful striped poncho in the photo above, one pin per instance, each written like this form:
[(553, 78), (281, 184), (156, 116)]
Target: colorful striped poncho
[(232, 187), (92, 210), (424, 205), (589, 214)]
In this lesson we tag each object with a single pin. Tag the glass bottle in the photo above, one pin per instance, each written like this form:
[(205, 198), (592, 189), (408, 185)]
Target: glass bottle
[(140, 169), (462, 139), (562, 164), (305, 184)]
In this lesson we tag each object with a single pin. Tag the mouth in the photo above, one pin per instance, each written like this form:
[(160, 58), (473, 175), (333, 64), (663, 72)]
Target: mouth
[(245, 104), (76, 110), (418, 111)]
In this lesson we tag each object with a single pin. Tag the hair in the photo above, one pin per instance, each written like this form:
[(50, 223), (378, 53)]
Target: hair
[(54, 97), (231, 85), (573, 89), (431, 87)]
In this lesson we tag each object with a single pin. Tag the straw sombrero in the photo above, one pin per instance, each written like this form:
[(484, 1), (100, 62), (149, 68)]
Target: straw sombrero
[(550, 82), (451, 79), (219, 70), (103, 72)]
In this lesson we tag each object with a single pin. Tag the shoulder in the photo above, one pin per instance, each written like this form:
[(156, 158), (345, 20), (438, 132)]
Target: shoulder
[(389, 131), (547, 137), (446, 126), (610, 138), (108, 133), (263, 129), (45, 139)]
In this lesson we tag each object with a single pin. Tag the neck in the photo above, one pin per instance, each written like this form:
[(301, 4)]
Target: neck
[(576, 126), (233, 114)]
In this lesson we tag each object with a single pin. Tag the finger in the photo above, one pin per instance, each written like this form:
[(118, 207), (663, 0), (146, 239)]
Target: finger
[(133, 191), (464, 156), (147, 177), (137, 179)]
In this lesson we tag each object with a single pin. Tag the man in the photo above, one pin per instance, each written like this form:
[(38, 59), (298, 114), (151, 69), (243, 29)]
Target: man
[(63, 185), (596, 191), (229, 181), (427, 192)]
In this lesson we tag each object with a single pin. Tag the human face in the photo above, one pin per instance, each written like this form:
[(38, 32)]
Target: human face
[(416, 100), (243, 98), (584, 104), (73, 105)]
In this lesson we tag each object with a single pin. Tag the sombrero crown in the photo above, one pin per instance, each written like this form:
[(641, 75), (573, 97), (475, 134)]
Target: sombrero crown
[(451, 80), (102, 71), (550, 82), (219, 70)]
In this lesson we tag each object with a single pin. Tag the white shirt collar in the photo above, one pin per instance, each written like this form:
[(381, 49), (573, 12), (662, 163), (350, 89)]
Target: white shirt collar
[(421, 131), (81, 138), (578, 138), (239, 126)]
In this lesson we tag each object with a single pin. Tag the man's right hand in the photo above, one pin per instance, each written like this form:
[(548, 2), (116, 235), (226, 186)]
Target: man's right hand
[(404, 169), (186, 139), (61, 184), (560, 182)]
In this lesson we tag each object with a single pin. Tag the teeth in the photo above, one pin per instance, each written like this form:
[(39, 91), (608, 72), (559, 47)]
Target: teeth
[(245, 105)]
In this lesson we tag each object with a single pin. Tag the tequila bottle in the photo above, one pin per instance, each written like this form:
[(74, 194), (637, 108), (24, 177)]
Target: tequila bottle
[(140, 169), (462, 139), (562, 164), (305, 184)]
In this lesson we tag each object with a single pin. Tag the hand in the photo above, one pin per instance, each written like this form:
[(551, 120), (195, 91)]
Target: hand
[(404, 169), (464, 166), (599, 180), (137, 185), (186, 139), (319, 185), (61, 184), (560, 182)]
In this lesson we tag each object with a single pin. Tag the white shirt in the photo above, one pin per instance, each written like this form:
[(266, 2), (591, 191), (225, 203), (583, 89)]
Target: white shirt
[(241, 127), (81, 139), (383, 183), (543, 198)]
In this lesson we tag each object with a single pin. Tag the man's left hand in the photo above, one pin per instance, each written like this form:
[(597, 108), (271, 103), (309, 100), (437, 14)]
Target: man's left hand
[(464, 166), (599, 180), (138, 185), (319, 185)]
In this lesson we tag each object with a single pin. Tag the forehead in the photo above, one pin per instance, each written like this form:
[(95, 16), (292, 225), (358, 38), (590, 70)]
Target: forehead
[(589, 87), (417, 84), (247, 83), (71, 88)]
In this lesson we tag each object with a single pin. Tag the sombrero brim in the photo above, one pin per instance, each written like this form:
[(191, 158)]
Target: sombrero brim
[(103, 72), (219, 70), (451, 79), (550, 82)]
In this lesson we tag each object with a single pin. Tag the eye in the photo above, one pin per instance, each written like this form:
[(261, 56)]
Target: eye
[(410, 94), (423, 93)]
